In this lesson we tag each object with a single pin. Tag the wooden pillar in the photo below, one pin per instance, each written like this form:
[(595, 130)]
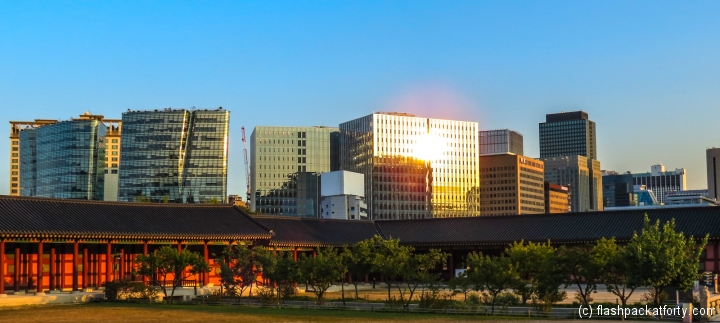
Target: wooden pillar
[(39, 267), (145, 252), (53, 265), (2, 267), (108, 262), (451, 265), (122, 265), (314, 253), (717, 257), (206, 254), (75, 273), (62, 257), (295, 253), (86, 267), (16, 285)]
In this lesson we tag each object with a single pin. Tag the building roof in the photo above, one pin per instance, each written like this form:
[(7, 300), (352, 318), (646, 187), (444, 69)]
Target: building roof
[(303, 232), (577, 227), (31, 217)]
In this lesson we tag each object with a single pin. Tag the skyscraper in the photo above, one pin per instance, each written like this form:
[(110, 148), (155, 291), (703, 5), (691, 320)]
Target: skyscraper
[(174, 156), (500, 142), (583, 178), (64, 159), (662, 182), (568, 134), (16, 127), (285, 168), (414, 167), (511, 184), (713, 172)]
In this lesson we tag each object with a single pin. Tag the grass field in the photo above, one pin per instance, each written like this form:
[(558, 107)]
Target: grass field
[(121, 312)]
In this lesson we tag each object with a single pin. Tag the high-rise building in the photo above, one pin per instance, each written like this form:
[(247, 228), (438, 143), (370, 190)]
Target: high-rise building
[(557, 198), (343, 196), (712, 156), (174, 156), (64, 160), (113, 132), (285, 168), (511, 184), (662, 182), (500, 142), (414, 167), (617, 189), (582, 177), (568, 134)]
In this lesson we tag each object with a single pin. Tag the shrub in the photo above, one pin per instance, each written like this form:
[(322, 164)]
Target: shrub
[(394, 302), (432, 298), (126, 289), (649, 297), (265, 295)]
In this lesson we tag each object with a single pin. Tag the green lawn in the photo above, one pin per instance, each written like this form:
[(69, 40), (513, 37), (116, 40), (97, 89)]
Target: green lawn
[(125, 312)]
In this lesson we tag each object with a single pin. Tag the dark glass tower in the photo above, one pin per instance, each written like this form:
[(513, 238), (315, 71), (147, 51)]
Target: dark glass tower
[(568, 134), (174, 156), (64, 160)]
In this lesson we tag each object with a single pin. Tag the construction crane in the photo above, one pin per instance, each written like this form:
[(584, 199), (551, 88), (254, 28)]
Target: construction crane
[(247, 167)]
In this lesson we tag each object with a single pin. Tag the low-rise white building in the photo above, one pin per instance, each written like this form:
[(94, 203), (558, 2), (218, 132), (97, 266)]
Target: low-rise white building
[(342, 196)]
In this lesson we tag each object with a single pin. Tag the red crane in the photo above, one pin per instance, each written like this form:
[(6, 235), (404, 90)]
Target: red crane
[(247, 166)]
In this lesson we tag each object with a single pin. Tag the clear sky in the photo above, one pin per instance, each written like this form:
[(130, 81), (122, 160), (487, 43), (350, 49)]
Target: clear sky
[(647, 72)]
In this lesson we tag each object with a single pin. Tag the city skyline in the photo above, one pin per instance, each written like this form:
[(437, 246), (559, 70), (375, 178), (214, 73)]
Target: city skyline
[(636, 68)]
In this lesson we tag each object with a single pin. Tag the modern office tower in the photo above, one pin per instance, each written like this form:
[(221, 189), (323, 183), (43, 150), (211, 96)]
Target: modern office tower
[(500, 142), (511, 184), (661, 181), (557, 198), (64, 159), (583, 178), (343, 196), (713, 173), (174, 156), (568, 134), (644, 196), (414, 167), (113, 127), (618, 189), (285, 168)]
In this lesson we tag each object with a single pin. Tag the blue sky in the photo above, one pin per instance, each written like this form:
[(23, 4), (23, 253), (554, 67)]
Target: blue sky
[(646, 71)]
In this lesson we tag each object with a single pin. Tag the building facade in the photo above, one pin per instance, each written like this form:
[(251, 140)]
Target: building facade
[(662, 182), (500, 142), (557, 198), (414, 167), (511, 184), (568, 134), (174, 156), (64, 160), (285, 168), (343, 196), (712, 158), (16, 127), (583, 178), (617, 189)]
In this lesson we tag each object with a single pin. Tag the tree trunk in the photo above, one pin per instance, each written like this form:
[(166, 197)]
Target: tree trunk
[(343, 290), (356, 290)]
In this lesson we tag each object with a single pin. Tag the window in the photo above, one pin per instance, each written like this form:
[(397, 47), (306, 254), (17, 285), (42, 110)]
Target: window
[(114, 146), (14, 160), (14, 191), (114, 153), (15, 154), (114, 141), (15, 142), (114, 159)]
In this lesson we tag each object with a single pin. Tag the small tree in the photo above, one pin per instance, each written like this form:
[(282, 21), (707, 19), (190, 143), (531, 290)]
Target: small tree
[(165, 262), (417, 271), (529, 259), (390, 260), (360, 260), (550, 277), (581, 270), (494, 274), (619, 270), (281, 270), (238, 269), (321, 271), (460, 284)]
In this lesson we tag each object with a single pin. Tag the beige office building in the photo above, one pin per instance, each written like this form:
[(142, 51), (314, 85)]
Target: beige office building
[(511, 184), (582, 177)]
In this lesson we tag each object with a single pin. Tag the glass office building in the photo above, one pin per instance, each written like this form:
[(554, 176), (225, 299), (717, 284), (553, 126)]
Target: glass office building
[(568, 134), (285, 168), (503, 141), (174, 156), (414, 167), (64, 160)]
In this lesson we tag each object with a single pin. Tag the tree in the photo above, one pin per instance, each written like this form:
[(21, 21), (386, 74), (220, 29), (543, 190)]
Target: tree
[(167, 261), (360, 260), (665, 257), (321, 271), (619, 269), (550, 276), (494, 274), (416, 271), (581, 270), (460, 284), (529, 259), (238, 269), (281, 270), (390, 260)]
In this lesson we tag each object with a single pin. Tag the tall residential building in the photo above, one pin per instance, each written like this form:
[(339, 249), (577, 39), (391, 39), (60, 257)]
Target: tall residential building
[(64, 160), (662, 182), (712, 157), (511, 184), (557, 198), (500, 142), (113, 132), (174, 156), (568, 134), (414, 167), (583, 178), (285, 168)]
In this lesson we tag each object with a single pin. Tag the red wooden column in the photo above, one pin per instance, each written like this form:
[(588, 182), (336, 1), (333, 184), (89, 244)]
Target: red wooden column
[(39, 280), (145, 253), (86, 267), (53, 272), (122, 265), (108, 262), (16, 285), (75, 277), (2, 267), (206, 254), (295, 253)]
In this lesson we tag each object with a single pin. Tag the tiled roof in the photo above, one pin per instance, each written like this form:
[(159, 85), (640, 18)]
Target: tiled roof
[(61, 218), (566, 227), (294, 231)]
